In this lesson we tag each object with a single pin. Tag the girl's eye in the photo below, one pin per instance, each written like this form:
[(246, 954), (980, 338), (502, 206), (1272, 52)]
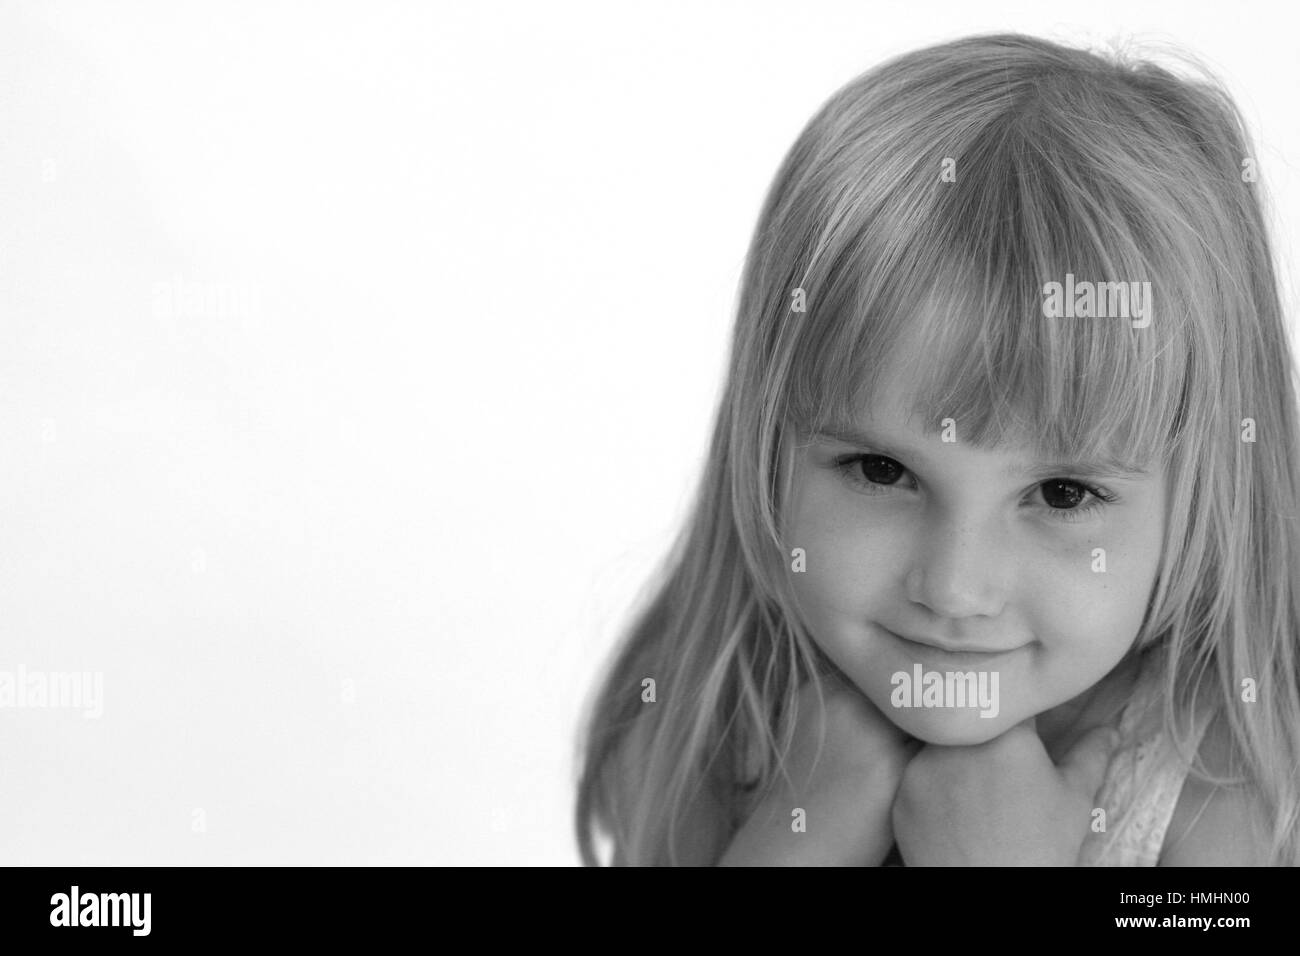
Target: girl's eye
[(869, 472), (880, 470), (1065, 498), (1060, 493)]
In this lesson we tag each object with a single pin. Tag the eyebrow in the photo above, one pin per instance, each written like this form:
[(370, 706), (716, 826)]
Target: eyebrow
[(1104, 467)]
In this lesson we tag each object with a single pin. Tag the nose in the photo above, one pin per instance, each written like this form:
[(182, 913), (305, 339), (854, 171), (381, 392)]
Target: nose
[(959, 569)]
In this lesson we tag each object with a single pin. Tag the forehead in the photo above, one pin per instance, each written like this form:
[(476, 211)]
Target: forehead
[(973, 357), (900, 394), (893, 420)]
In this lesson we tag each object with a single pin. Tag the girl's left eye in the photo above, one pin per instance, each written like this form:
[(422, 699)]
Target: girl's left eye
[(1070, 500), (1066, 499)]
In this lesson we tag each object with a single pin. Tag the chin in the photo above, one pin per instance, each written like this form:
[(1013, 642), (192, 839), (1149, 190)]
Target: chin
[(949, 728)]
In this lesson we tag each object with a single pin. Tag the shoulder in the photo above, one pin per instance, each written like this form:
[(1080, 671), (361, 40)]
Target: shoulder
[(1216, 824)]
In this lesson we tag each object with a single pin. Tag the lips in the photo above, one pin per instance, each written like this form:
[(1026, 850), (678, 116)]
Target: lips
[(951, 648)]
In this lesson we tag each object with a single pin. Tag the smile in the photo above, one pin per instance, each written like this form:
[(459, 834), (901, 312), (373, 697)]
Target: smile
[(956, 654)]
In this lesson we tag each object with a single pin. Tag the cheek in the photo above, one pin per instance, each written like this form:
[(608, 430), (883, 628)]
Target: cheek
[(847, 566), (1090, 600)]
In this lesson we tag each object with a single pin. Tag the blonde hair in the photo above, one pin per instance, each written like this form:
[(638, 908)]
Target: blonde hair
[(1066, 161)]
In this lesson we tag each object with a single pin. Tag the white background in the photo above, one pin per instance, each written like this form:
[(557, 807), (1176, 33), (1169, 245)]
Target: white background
[(490, 253)]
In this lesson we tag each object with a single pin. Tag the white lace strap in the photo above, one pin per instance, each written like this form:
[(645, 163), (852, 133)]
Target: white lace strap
[(1140, 791)]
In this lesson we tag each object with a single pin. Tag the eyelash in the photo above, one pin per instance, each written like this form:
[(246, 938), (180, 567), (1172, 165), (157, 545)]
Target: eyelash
[(849, 468)]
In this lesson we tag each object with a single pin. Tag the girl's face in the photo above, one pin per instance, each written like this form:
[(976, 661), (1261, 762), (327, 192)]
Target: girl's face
[(932, 557)]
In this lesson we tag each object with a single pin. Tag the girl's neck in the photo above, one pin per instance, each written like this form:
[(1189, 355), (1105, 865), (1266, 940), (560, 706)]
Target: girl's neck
[(1099, 705)]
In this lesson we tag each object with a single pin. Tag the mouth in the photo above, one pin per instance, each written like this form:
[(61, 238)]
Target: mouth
[(954, 653)]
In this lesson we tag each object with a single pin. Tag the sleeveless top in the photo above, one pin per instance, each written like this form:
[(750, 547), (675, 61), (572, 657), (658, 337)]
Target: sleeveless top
[(1143, 780)]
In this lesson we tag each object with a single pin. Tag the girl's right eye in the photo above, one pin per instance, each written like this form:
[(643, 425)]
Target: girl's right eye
[(870, 473)]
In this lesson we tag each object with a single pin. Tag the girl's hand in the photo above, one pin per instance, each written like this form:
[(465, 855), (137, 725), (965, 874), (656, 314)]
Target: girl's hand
[(845, 793), (1001, 803)]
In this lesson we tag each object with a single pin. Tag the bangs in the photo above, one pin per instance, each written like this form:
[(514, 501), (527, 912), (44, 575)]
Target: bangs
[(943, 288)]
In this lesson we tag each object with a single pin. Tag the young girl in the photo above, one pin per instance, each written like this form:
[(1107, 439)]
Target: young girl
[(994, 559)]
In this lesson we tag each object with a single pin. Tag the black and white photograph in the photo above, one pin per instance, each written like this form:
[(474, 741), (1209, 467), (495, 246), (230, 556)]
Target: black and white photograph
[(716, 434)]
